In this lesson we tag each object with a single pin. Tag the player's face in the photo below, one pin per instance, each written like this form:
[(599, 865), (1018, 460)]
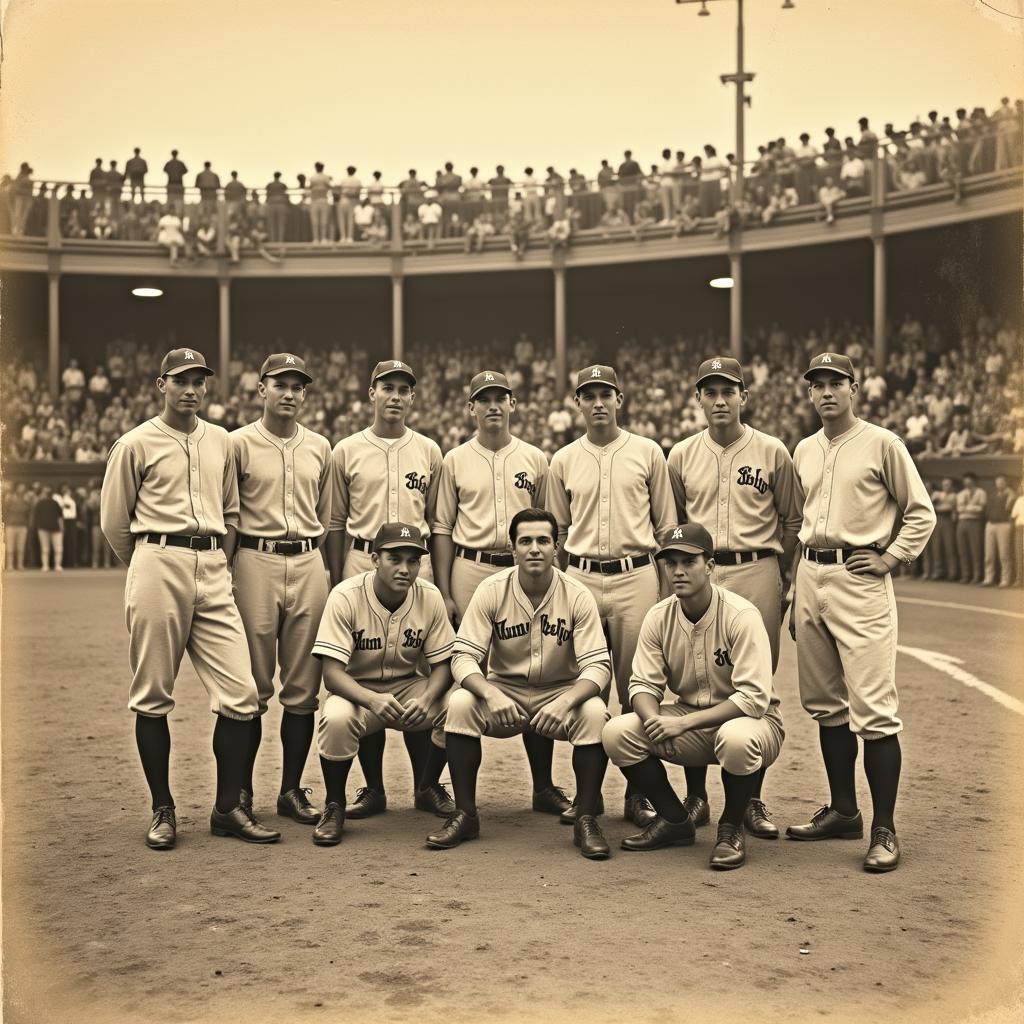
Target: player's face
[(831, 394), (599, 403), (535, 548), (398, 567), (184, 392), (392, 398), (492, 408), (687, 574), (283, 394), (721, 401)]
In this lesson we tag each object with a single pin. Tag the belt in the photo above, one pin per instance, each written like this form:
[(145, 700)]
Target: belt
[(277, 547), (742, 557), (503, 558), (616, 565), (832, 556), (175, 540), (362, 545)]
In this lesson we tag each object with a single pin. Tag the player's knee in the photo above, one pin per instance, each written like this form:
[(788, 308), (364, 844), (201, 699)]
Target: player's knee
[(591, 717), (737, 748), (462, 712), (622, 738)]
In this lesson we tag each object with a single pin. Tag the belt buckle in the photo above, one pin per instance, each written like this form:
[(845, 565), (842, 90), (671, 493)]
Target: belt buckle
[(269, 546), (192, 543)]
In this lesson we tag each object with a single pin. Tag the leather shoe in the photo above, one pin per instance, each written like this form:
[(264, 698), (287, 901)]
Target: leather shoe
[(294, 804), (826, 823), (884, 852), (163, 830), (368, 803), (661, 833), (698, 810), (758, 822), (551, 801), (730, 851), (243, 824), (328, 829), (435, 799), (568, 816), (245, 799), (458, 828), (587, 835), (637, 809)]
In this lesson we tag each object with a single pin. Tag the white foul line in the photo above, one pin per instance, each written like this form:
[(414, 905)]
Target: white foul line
[(951, 666), (960, 607)]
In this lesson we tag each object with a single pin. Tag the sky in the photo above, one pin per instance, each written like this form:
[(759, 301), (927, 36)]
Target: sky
[(387, 85)]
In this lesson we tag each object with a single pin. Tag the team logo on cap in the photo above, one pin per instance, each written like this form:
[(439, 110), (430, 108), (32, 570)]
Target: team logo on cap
[(488, 376), (405, 532), (677, 534), (397, 364), (595, 373), (826, 358), (290, 359), (716, 364), (189, 355)]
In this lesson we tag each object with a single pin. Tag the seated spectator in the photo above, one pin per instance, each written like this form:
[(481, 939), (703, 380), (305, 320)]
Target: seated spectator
[(206, 239), (560, 231), (362, 217), (412, 229), (687, 217), (911, 176), (233, 241), (612, 220), (430, 214), (961, 441), (169, 233), (644, 218), (853, 175), (258, 237), (73, 227), (781, 199), (99, 386), (828, 195), (950, 171), (377, 233), (102, 226), (479, 231), (519, 234)]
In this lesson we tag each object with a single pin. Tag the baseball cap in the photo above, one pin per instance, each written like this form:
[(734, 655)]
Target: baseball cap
[(691, 538), (386, 367), (598, 375), (398, 535), (831, 361), (178, 360), (720, 366), (284, 362), (488, 379)]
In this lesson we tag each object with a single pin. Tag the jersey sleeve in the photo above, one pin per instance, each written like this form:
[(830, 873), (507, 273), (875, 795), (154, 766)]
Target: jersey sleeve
[(904, 483), (650, 670), (788, 497), (232, 502), (324, 493), (752, 663), (473, 640), (663, 512), (557, 499), (447, 499), (339, 489), (675, 476), (592, 656), (542, 482), (440, 638), (121, 483), (334, 636), (430, 499)]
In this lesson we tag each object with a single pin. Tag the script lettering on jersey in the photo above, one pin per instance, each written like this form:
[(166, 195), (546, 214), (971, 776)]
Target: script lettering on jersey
[(524, 483), (754, 479), (722, 657), (413, 638), (555, 629), (505, 632), (373, 643), (416, 482)]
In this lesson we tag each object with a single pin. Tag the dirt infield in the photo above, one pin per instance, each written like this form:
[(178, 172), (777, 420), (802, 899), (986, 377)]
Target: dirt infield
[(99, 928)]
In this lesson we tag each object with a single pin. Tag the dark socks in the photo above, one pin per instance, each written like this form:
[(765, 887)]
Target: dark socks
[(371, 759), (437, 758), (296, 738), (255, 738), (738, 791), (417, 745), (588, 763), (230, 748), (696, 780), (839, 751), (153, 738), (758, 782), (335, 778), (463, 766), (882, 762), (540, 752), (650, 778)]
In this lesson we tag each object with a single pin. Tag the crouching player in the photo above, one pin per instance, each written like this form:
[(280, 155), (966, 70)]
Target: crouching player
[(709, 646)]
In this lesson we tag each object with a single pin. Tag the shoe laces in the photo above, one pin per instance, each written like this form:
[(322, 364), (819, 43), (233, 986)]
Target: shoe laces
[(330, 812), (729, 833), (164, 815), (882, 836), (303, 798), (758, 809), (440, 790), (588, 825), (820, 813)]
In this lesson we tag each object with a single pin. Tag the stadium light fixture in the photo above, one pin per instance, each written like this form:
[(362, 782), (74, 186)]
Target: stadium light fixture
[(147, 292), (703, 12), (788, 5), (720, 282)]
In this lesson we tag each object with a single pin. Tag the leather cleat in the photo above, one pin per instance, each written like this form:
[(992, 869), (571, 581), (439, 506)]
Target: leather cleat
[(458, 828), (730, 850), (637, 809), (884, 852), (698, 809), (241, 823), (327, 831), (295, 804), (758, 822), (661, 833), (163, 830), (587, 835), (568, 816), (435, 799), (551, 801), (368, 803), (826, 823)]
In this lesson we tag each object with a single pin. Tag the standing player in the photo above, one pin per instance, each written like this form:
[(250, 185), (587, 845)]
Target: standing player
[(386, 644), (740, 485), (384, 474), (169, 509), (539, 633), (610, 493), (280, 586), (857, 478), (484, 483)]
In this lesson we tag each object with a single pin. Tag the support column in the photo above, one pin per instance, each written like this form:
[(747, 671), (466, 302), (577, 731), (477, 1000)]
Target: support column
[(561, 370), (53, 335), (881, 342), (224, 350), (397, 324), (736, 306)]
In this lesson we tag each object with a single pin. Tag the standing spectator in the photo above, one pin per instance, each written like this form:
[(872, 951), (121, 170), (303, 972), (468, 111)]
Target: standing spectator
[(99, 387), (999, 535), (375, 191), (1008, 135), (347, 193), (412, 194), (519, 234), (448, 186), (712, 170), (208, 183), (971, 503), (22, 191), (277, 207), (668, 189), (69, 524), (101, 556), (499, 187), (943, 540), (115, 186), (298, 227), (429, 214), (832, 151), (630, 176), (234, 196), (532, 206), (17, 510), (828, 195), (233, 241), (607, 186), (805, 173), (950, 170), (98, 184), (319, 204), (73, 382), (135, 171), (1017, 515), (176, 170), (868, 144), (554, 195), (47, 521)]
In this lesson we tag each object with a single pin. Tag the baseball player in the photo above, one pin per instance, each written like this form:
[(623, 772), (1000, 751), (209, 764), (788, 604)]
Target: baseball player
[(169, 510), (539, 632), (856, 478), (485, 482), (386, 645), (383, 474), (740, 485), (280, 585), (610, 494), (709, 646)]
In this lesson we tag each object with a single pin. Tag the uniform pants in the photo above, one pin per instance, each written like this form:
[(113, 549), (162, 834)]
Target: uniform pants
[(179, 600), (998, 544), (48, 539), (760, 583), (16, 537), (943, 542), (281, 599), (622, 601), (970, 546), (466, 577), (361, 561)]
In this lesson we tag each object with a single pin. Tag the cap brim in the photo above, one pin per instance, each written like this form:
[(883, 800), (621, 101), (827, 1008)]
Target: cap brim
[(592, 383), (393, 545), (688, 549), (393, 373), (488, 387), (289, 369), (829, 369), (187, 366), (724, 376)]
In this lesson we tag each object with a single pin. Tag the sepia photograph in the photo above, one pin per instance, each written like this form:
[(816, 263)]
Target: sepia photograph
[(511, 512)]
